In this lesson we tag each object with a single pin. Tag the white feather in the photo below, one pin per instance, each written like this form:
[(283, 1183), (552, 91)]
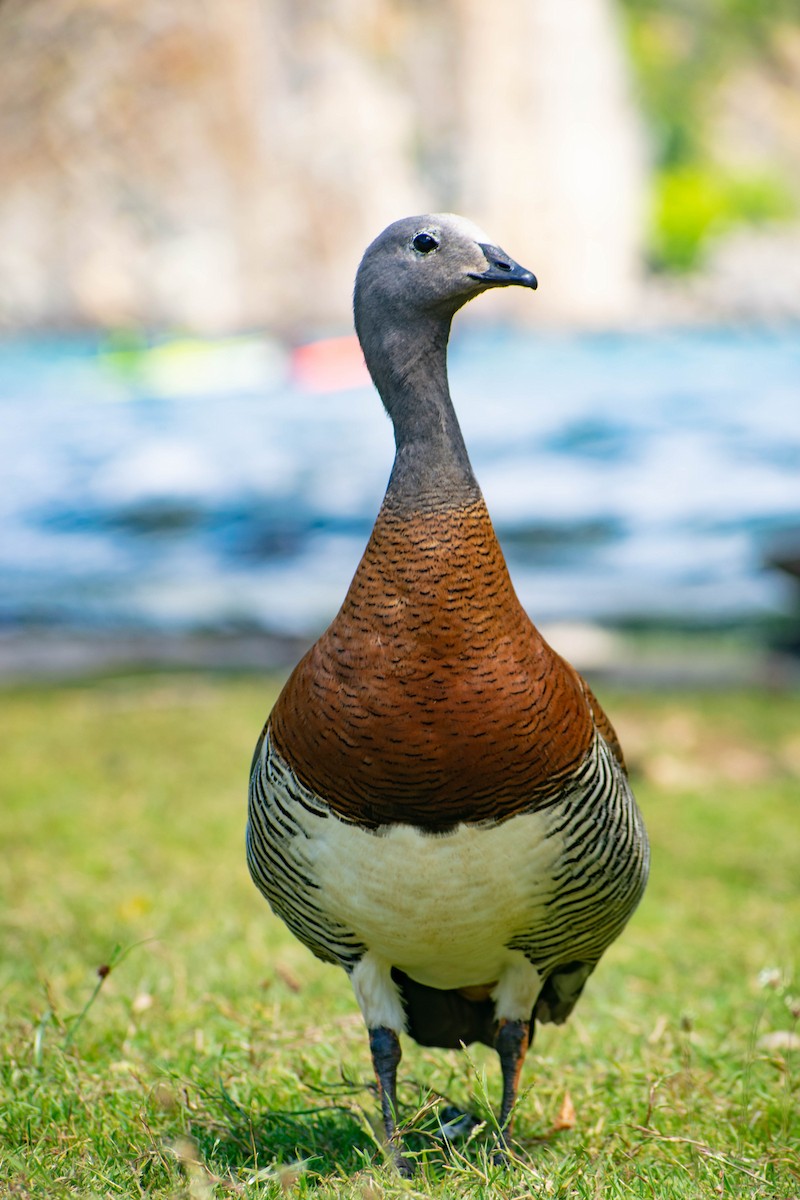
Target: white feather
[(441, 907)]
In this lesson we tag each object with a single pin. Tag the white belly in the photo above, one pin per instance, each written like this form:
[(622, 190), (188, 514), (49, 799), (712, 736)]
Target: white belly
[(440, 907), (557, 884)]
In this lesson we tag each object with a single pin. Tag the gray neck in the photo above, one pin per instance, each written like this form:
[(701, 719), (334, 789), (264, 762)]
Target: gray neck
[(407, 360)]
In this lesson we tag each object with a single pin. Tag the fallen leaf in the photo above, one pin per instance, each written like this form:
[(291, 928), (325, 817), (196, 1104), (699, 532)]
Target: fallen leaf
[(286, 976), (200, 1182), (287, 1175), (566, 1115), (659, 1029)]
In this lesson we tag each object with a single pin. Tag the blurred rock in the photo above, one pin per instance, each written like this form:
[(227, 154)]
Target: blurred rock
[(224, 165), (750, 276), (553, 155), (755, 110), (753, 275)]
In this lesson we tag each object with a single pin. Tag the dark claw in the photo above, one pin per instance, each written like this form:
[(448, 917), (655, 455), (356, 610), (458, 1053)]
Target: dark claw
[(454, 1124), (404, 1166)]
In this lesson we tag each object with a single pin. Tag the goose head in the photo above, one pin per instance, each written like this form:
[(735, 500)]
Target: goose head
[(430, 265)]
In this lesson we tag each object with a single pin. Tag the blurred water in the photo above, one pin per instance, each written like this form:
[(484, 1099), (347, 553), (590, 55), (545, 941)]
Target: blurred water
[(628, 476)]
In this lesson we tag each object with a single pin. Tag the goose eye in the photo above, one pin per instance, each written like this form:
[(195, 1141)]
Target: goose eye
[(425, 243)]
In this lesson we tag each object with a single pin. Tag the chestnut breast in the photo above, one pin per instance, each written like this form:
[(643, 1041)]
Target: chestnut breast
[(432, 699)]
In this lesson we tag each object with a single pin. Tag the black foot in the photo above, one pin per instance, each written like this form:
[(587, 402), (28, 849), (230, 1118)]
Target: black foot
[(404, 1166), (454, 1124)]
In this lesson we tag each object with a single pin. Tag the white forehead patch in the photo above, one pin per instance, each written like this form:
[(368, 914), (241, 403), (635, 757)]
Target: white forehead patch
[(462, 227)]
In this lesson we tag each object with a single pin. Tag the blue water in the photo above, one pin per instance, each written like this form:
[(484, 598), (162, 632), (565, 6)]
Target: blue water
[(635, 476)]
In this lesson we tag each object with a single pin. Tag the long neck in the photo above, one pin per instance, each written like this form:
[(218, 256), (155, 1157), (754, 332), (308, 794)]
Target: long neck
[(408, 363)]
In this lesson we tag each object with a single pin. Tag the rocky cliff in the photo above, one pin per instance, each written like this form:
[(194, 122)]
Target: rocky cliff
[(223, 165)]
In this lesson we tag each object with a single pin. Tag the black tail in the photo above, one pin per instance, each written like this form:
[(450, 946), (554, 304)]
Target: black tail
[(445, 1018)]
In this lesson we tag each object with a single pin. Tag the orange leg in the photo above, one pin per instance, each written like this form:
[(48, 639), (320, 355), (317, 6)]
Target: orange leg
[(511, 1043)]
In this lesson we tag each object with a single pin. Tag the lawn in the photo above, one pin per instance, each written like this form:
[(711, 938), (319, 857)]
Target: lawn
[(161, 1035)]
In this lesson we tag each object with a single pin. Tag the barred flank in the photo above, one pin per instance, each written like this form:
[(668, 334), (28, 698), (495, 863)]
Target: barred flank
[(598, 881)]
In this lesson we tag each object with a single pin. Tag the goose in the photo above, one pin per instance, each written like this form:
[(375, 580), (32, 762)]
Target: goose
[(438, 803)]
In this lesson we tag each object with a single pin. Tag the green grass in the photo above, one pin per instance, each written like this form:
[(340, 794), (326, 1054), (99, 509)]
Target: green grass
[(217, 1058)]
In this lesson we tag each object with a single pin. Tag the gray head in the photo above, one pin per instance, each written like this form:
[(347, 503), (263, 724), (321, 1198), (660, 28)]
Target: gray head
[(431, 265), (412, 280)]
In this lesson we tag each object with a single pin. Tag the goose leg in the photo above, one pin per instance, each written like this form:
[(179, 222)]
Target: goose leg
[(384, 1045), (511, 1043)]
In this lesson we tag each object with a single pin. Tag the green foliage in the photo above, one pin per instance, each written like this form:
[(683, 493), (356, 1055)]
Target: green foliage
[(216, 1058), (694, 203), (681, 49)]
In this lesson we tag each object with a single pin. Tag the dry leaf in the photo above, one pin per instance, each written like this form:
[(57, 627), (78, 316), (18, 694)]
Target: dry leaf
[(286, 976), (659, 1029), (287, 1175), (164, 1097), (200, 1181), (566, 1115)]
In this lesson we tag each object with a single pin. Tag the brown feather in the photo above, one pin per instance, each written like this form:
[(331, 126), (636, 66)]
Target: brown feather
[(432, 698)]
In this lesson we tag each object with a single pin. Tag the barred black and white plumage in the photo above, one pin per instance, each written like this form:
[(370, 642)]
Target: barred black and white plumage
[(275, 842), (595, 878), (598, 882), (439, 804)]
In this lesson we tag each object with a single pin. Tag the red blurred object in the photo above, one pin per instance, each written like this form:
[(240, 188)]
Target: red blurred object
[(330, 365)]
